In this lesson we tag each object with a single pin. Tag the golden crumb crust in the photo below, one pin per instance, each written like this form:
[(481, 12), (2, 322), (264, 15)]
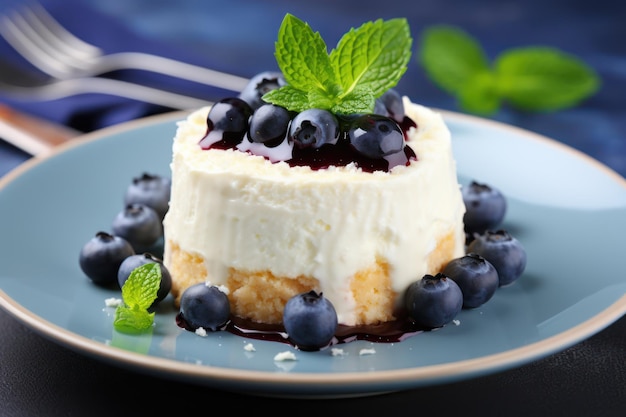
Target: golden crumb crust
[(261, 296)]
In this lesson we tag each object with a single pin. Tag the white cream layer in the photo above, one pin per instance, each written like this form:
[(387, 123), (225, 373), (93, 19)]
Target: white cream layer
[(242, 211)]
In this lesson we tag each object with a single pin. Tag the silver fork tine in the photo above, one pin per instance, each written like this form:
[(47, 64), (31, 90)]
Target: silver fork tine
[(57, 34), (28, 44), (60, 53), (48, 46)]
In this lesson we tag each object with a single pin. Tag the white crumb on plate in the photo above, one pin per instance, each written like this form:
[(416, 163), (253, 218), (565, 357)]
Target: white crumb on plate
[(285, 356), (456, 322), (200, 331), (113, 302), (370, 351), (337, 352), (249, 347)]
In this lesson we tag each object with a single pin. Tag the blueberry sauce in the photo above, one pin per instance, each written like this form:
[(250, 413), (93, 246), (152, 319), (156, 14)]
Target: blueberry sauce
[(340, 154), (389, 332)]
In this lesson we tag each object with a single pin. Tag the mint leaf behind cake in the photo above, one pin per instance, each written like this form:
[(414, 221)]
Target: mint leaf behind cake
[(528, 78), (543, 78)]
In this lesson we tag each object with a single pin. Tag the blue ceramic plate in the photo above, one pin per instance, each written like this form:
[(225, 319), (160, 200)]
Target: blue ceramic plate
[(568, 211)]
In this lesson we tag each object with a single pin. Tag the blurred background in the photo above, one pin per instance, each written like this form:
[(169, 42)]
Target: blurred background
[(238, 37)]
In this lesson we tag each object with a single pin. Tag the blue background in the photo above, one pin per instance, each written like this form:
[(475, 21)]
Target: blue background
[(238, 37)]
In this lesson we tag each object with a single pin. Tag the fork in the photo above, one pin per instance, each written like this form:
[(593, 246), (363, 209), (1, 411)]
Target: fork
[(24, 85), (46, 44), (38, 136)]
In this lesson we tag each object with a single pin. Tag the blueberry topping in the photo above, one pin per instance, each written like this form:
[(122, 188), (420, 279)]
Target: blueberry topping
[(503, 251), (140, 225), (316, 138), (151, 190), (102, 255), (314, 128), (433, 301), (477, 278), (375, 136), (390, 104), (485, 207), (310, 320), (259, 85), (131, 262), (269, 125), (227, 123), (204, 306)]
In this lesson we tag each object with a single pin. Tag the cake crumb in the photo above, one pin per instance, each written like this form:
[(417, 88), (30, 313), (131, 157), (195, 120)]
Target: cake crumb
[(113, 302), (249, 347), (285, 356), (222, 288), (456, 322), (370, 351), (200, 331), (337, 352)]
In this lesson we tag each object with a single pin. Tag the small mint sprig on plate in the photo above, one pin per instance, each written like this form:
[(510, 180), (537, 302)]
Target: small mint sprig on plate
[(367, 61), (534, 78), (138, 293)]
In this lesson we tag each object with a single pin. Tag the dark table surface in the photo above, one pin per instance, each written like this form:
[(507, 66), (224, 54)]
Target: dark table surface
[(41, 378)]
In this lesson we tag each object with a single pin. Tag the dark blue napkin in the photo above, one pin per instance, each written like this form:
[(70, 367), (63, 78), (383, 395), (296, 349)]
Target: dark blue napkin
[(88, 112)]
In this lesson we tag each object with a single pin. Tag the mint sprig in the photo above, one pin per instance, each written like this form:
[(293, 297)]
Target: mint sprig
[(138, 293), (367, 61), (528, 78)]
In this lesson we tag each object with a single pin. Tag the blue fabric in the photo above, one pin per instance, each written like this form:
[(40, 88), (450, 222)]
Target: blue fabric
[(238, 37)]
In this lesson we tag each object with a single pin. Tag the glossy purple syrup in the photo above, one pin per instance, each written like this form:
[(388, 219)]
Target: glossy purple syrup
[(389, 332), (340, 154)]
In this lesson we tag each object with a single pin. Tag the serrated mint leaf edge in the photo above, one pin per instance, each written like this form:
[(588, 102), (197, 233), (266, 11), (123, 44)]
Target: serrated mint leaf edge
[(138, 293), (388, 46), (302, 56), (328, 91)]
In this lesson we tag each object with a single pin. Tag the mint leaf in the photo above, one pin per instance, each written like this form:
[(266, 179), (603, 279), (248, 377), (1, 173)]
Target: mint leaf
[(289, 97), (451, 58), (373, 56), (480, 94), (302, 57), (532, 78), (544, 79), (132, 320), (366, 62), (138, 292)]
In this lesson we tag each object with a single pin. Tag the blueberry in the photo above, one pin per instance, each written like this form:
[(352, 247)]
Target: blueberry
[(485, 207), (375, 136), (269, 124), (259, 85), (310, 320), (140, 225), (503, 251), (227, 123), (390, 104), (477, 278), (206, 306), (433, 301), (314, 128), (101, 257), (131, 262), (379, 108), (151, 190)]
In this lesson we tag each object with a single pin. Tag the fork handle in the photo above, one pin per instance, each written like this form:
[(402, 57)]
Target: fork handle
[(32, 134), (172, 68)]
